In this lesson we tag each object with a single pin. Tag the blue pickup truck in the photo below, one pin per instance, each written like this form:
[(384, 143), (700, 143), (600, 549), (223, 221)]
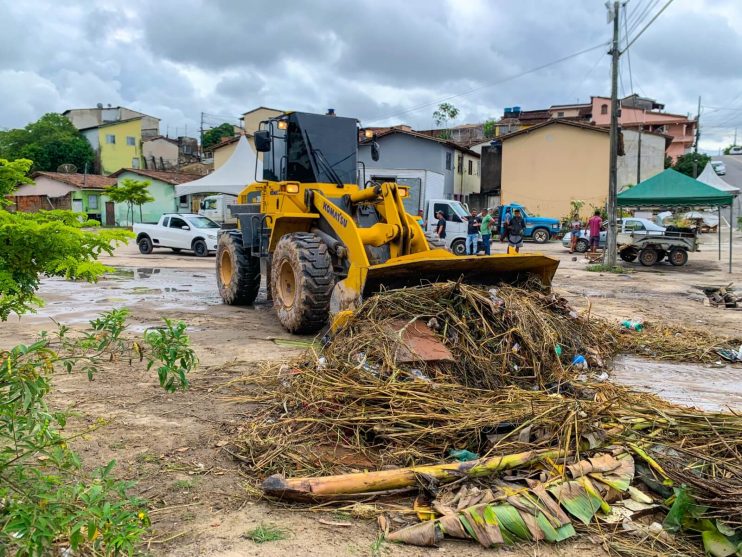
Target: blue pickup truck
[(538, 229)]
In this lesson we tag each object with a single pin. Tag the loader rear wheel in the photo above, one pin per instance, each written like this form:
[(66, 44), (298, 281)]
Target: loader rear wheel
[(302, 280), (237, 272)]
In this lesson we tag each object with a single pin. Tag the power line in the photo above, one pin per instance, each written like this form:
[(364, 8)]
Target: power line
[(651, 4), (505, 80), (651, 21)]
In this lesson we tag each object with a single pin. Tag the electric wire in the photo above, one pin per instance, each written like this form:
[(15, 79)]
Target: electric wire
[(651, 21), (492, 84)]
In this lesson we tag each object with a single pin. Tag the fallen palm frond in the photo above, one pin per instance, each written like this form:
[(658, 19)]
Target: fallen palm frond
[(534, 513), (673, 343)]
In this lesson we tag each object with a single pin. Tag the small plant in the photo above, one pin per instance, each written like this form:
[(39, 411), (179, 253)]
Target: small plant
[(267, 533), (377, 545), (169, 346), (604, 268), (183, 484), (46, 499)]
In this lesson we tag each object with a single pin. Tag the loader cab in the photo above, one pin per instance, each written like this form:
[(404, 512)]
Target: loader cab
[(309, 148)]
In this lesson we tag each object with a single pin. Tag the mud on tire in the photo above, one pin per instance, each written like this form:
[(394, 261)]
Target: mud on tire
[(302, 280), (237, 272)]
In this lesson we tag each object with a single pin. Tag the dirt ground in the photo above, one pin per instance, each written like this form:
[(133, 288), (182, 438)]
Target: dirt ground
[(173, 444)]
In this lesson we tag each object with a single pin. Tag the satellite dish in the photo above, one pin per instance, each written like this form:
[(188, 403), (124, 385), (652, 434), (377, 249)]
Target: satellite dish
[(67, 168)]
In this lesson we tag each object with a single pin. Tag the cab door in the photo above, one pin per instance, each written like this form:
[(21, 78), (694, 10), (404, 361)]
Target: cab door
[(177, 236)]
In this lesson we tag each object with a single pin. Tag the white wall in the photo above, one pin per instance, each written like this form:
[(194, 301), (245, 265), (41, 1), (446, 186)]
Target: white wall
[(653, 157), (45, 186)]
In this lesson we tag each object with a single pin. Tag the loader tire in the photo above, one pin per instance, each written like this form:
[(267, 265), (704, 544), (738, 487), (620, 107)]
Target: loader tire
[(302, 280), (237, 271)]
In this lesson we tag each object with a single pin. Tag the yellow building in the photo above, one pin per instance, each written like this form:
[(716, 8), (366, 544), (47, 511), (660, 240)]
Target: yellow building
[(116, 144), (546, 166)]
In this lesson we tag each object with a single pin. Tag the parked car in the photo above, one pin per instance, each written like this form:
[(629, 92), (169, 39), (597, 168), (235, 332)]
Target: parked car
[(627, 225), (178, 232), (719, 167), (736, 150)]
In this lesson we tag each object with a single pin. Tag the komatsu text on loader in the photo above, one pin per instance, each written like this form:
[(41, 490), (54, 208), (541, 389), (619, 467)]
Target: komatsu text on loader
[(323, 242)]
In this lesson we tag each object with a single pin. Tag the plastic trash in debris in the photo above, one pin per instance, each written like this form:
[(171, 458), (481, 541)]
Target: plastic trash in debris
[(515, 348), (321, 363), (602, 377), (558, 350), (360, 357), (499, 302), (417, 374), (462, 455), (633, 325), (573, 314), (579, 362)]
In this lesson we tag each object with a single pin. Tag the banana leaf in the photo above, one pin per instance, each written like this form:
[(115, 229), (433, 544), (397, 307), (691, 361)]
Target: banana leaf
[(530, 515)]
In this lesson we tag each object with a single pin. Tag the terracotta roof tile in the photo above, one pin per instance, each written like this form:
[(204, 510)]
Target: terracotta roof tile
[(83, 181), (161, 175)]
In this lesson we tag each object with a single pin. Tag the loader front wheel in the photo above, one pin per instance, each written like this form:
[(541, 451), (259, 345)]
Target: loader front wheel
[(302, 280), (237, 271)]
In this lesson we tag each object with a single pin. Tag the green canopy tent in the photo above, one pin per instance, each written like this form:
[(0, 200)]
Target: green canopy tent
[(673, 189)]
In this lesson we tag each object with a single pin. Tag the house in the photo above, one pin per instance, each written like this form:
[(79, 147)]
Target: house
[(115, 134), (162, 188), (251, 119), (159, 153), (82, 193), (402, 148), (636, 113), (548, 165)]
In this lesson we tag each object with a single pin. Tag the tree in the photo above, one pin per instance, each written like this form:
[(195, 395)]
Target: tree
[(685, 163), (49, 142), (668, 161), (132, 192), (214, 136), (489, 128), (445, 112)]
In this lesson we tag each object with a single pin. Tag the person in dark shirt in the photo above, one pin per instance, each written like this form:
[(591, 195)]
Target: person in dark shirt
[(472, 233), (515, 231), (441, 226)]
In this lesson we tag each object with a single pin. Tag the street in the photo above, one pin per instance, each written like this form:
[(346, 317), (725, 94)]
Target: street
[(733, 177)]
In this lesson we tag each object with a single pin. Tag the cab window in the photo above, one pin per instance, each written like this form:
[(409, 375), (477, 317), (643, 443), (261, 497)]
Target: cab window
[(176, 222), (634, 226), (210, 205)]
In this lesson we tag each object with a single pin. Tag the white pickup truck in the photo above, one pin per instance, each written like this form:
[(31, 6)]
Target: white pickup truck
[(178, 232)]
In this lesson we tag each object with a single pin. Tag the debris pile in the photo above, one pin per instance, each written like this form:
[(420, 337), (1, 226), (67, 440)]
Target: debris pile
[(469, 399), (721, 296)]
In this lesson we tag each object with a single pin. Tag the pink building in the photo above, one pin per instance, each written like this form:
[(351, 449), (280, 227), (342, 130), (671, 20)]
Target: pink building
[(638, 113)]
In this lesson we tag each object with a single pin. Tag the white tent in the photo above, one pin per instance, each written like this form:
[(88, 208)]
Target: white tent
[(711, 178), (231, 177)]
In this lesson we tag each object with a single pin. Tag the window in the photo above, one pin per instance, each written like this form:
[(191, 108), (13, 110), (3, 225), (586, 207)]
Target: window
[(449, 158), (177, 222), (183, 201), (135, 162), (92, 202), (131, 140), (110, 138), (479, 168), (471, 167), (560, 114), (604, 109), (210, 204), (460, 164), (165, 221)]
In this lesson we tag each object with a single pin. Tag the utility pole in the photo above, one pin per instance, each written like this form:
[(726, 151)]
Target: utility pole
[(735, 137), (201, 143), (698, 138), (610, 245)]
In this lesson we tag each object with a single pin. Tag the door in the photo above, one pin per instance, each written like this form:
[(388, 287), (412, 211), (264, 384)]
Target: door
[(176, 236), (110, 214), (77, 205)]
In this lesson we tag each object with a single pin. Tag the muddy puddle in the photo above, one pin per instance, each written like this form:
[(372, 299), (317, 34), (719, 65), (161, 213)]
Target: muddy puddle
[(706, 388), (163, 289)]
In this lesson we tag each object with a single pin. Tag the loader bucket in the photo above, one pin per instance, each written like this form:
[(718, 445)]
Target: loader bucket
[(441, 266)]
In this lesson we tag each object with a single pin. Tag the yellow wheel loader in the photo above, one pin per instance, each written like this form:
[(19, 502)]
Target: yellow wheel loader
[(323, 242)]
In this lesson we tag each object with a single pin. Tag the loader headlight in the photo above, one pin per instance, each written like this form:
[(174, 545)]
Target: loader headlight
[(283, 124), (368, 134), (292, 188), (403, 192)]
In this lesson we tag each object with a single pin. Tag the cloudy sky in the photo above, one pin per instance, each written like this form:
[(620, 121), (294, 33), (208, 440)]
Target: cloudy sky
[(382, 61)]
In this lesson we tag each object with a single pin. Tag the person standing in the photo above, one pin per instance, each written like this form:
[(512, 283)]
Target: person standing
[(593, 226), (515, 231), (440, 228), (575, 229), (504, 225), (485, 229), (472, 233)]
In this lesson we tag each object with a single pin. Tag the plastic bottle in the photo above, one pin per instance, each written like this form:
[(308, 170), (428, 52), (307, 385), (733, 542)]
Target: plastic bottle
[(633, 325), (579, 361)]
